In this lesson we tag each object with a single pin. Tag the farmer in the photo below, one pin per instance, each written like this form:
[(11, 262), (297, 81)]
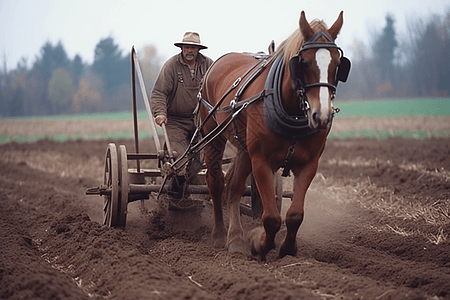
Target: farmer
[(174, 98)]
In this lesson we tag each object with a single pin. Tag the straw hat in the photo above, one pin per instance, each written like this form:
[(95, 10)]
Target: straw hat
[(192, 39)]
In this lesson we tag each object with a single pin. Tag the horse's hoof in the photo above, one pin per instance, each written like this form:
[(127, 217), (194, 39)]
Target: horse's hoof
[(219, 237), (219, 243), (256, 236), (284, 251)]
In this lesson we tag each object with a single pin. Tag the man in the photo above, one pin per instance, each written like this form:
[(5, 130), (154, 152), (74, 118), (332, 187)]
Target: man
[(174, 98)]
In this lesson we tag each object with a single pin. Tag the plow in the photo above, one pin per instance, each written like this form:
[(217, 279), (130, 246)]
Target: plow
[(123, 184)]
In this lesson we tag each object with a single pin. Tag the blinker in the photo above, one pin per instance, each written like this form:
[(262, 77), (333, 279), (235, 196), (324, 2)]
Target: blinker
[(343, 69), (297, 64)]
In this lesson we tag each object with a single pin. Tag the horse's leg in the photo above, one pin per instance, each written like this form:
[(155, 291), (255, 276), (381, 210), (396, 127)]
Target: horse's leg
[(295, 213), (264, 241), (215, 181), (235, 182)]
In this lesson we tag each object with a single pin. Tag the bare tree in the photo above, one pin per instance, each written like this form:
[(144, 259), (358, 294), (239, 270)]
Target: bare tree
[(430, 64)]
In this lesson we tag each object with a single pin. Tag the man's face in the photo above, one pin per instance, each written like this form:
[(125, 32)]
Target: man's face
[(190, 53)]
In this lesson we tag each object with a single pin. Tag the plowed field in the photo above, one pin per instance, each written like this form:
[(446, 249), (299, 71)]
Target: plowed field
[(377, 226)]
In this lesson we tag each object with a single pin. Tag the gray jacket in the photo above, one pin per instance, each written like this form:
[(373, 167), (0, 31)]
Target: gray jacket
[(175, 90)]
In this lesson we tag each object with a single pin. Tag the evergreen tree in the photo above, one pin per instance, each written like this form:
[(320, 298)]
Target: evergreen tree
[(384, 50), (77, 69), (51, 58), (16, 106), (109, 63)]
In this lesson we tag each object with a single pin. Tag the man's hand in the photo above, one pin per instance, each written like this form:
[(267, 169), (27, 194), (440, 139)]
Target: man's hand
[(161, 119)]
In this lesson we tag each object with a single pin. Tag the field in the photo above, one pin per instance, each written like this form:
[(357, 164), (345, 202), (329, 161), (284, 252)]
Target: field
[(372, 119), (377, 221)]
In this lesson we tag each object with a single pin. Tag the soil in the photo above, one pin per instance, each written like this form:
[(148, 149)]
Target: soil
[(376, 226)]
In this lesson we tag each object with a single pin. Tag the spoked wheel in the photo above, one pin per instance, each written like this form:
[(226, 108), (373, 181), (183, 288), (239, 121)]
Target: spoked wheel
[(111, 181), (123, 185)]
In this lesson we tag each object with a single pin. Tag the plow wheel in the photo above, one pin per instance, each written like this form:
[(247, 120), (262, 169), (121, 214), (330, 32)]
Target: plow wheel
[(123, 185), (111, 181), (116, 180)]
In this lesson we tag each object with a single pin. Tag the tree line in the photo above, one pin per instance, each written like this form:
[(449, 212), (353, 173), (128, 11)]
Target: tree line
[(56, 84), (416, 65)]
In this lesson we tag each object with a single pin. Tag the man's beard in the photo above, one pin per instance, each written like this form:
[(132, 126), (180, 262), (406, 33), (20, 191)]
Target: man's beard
[(189, 56)]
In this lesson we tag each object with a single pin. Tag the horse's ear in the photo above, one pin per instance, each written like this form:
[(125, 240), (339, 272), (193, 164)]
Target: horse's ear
[(305, 28), (336, 27)]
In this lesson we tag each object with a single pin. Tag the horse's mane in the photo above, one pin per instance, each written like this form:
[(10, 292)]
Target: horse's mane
[(292, 44)]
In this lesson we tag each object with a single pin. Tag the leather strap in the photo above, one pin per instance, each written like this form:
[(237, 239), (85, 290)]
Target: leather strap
[(288, 126)]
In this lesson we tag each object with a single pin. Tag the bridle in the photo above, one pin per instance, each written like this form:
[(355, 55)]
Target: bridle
[(297, 65)]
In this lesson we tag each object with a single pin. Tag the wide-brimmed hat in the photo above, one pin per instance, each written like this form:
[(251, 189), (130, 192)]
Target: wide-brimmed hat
[(192, 39)]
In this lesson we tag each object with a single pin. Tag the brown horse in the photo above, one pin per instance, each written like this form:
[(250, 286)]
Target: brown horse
[(302, 76)]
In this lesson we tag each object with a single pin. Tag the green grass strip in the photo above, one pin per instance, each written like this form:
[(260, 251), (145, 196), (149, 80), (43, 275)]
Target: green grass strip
[(391, 108), (125, 135), (124, 115), (373, 108), (385, 134)]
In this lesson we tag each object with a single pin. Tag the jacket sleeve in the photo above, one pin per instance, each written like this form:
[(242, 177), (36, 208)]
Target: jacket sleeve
[(161, 90)]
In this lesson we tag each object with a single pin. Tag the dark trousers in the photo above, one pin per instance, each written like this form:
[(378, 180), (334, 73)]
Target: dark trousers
[(180, 132)]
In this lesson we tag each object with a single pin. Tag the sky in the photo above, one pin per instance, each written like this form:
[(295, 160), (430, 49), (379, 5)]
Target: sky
[(224, 26)]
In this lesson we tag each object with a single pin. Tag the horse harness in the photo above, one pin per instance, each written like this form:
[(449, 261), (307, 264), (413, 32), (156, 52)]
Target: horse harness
[(237, 105), (288, 126)]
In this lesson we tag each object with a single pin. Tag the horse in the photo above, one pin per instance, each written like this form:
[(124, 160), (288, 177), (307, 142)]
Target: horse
[(301, 76)]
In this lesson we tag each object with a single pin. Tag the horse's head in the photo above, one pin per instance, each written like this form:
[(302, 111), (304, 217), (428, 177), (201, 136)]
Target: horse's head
[(316, 69)]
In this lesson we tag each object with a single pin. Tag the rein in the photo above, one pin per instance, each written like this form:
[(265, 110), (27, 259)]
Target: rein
[(236, 107), (236, 104), (263, 62)]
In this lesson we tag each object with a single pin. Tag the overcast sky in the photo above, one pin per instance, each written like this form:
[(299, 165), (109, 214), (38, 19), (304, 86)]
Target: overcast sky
[(224, 26)]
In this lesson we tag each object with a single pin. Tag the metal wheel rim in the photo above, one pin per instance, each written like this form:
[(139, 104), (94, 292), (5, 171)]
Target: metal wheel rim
[(123, 183), (111, 181)]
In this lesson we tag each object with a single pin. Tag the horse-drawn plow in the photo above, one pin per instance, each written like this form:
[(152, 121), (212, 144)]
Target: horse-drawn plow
[(123, 184), (275, 109)]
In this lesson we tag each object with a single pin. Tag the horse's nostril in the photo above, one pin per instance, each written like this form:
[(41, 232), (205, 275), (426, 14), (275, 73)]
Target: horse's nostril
[(316, 118)]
